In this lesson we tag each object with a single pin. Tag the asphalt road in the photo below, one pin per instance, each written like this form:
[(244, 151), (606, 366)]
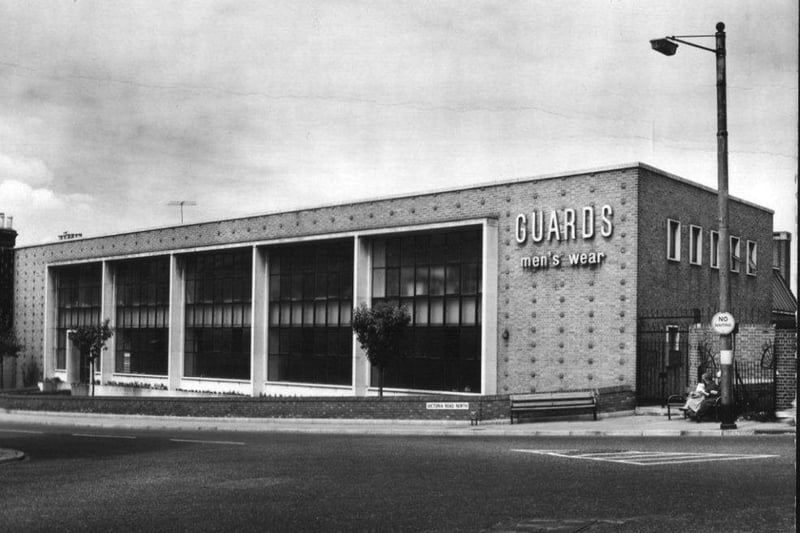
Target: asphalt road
[(75, 479)]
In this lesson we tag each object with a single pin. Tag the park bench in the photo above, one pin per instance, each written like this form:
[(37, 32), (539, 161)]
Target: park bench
[(678, 401), (553, 403)]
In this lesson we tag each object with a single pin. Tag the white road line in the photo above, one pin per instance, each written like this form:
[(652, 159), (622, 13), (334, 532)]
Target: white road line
[(209, 441), (647, 458), (98, 436), (21, 431)]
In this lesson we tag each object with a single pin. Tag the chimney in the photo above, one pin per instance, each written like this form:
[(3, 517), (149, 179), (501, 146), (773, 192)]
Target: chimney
[(8, 239), (782, 254)]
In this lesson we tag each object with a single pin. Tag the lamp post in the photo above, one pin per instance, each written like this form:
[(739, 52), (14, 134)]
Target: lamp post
[(668, 46)]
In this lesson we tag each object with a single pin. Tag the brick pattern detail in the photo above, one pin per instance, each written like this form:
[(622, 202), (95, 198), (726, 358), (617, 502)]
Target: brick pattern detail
[(371, 408), (785, 350), (669, 285), (569, 327)]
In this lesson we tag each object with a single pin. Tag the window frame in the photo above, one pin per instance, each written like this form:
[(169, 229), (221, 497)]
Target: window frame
[(735, 253), (713, 246), (673, 245), (752, 253), (695, 245)]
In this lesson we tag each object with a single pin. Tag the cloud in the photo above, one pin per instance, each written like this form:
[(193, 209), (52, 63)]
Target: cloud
[(39, 212), (25, 169)]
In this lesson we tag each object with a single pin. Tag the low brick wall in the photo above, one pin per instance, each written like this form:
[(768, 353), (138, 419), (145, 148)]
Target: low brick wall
[(394, 408), (387, 408)]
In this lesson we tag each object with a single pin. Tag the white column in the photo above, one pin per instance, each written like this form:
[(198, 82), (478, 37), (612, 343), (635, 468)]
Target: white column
[(361, 295), (489, 309), (50, 325), (73, 361), (177, 314), (108, 310), (258, 321)]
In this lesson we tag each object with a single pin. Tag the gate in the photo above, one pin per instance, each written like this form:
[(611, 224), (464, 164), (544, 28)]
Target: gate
[(662, 363)]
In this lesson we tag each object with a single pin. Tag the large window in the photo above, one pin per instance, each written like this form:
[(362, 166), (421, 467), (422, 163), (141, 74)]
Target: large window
[(310, 310), (437, 277), (218, 305), (78, 297), (142, 326)]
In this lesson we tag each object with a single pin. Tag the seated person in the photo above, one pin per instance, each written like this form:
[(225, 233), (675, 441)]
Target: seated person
[(695, 400), (710, 400)]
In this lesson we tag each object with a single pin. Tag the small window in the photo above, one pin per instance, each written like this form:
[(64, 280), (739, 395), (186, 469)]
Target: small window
[(695, 245), (752, 258), (673, 240), (714, 257), (736, 254)]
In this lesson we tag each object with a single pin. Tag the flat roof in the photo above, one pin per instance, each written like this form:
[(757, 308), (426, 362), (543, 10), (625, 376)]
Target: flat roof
[(573, 173)]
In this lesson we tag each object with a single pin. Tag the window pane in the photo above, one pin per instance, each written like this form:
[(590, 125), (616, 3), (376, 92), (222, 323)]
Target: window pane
[(407, 281), (437, 311), (469, 307), (421, 311), (392, 282), (437, 280), (379, 253), (378, 283), (453, 311)]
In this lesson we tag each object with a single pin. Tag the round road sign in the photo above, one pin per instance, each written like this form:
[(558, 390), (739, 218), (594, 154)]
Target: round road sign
[(723, 323)]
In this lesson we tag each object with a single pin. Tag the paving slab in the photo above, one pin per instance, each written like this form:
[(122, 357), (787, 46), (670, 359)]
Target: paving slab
[(629, 424)]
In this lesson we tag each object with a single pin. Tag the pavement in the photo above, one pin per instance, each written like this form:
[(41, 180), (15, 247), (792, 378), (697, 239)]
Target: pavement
[(644, 422)]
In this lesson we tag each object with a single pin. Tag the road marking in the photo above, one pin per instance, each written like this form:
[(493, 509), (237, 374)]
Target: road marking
[(22, 431), (209, 441), (98, 436), (633, 457)]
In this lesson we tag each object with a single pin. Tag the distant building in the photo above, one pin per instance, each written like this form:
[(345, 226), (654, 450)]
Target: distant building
[(543, 284)]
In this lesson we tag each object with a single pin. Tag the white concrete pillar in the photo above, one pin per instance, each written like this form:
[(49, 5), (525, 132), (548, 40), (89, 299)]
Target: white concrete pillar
[(259, 327), (50, 325), (489, 309), (177, 313), (73, 355), (362, 264), (108, 311)]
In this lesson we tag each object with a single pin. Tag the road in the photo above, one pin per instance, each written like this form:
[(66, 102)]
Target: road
[(78, 479)]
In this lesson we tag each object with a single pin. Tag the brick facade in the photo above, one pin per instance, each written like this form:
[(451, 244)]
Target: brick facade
[(559, 327)]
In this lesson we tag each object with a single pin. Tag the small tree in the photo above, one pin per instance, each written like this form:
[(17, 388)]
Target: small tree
[(9, 347), (380, 330), (91, 341)]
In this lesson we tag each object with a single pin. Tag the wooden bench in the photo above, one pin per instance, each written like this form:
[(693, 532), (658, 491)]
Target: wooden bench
[(553, 402)]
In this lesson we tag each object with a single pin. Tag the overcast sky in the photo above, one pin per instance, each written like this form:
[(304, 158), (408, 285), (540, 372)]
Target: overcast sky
[(110, 110)]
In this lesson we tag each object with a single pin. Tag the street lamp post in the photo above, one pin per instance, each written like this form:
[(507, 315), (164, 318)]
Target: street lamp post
[(668, 46)]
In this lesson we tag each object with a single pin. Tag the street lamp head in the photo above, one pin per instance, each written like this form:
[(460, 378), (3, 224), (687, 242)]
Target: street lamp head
[(664, 46)]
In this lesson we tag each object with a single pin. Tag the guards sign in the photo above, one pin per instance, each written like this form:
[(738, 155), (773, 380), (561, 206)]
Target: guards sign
[(723, 323)]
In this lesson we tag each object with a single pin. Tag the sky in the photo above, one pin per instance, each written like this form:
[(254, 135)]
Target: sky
[(112, 110)]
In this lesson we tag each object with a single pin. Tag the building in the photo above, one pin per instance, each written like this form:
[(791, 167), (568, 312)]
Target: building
[(535, 284)]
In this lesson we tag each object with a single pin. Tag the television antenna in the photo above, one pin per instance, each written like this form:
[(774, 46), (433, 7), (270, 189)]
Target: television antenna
[(182, 203)]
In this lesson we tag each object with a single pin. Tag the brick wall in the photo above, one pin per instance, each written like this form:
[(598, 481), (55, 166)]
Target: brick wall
[(785, 350), (679, 286), (370, 408)]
